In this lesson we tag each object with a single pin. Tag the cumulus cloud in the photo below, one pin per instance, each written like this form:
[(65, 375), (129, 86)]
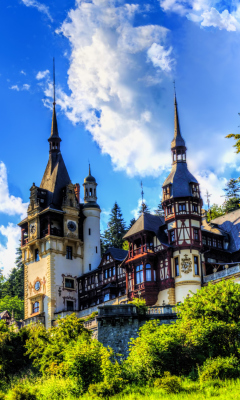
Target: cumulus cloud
[(11, 233), (15, 87), (40, 7), (9, 204), (42, 74), (206, 12), (23, 72), (25, 86), (18, 88), (113, 66)]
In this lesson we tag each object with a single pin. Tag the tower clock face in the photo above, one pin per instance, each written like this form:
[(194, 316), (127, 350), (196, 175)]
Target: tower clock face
[(33, 228), (72, 226)]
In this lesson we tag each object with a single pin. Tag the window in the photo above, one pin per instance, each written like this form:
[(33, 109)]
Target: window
[(214, 242), (169, 210), (148, 273), (96, 249), (196, 234), (69, 253), (204, 240), (196, 269), (110, 272), (139, 274), (37, 258), (70, 305), (219, 244), (182, 207), (154, 275), (195, 208), (90, 192), (105, 273), (36, 307), (176, 267), (89, 231), (209, 241), (90, 267), (172, 236), (106, 297), (129, 282), (113, 272), (69, 283)]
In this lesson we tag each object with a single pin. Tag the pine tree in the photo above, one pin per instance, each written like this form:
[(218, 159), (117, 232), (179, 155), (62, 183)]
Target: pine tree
[(14, 284), (159, 211), (232, 197), (144, 209), (113, 235), (131, 223)]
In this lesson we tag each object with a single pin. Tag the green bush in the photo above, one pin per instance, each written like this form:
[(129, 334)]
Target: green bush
[(20, 392), (56, 388), (2, 396), (220, 368), (170, 383)]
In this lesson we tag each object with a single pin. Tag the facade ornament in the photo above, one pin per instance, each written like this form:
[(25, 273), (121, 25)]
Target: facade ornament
[(186, 264)]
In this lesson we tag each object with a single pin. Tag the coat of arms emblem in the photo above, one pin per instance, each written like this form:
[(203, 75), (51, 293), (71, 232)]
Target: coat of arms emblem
[(186, 264)]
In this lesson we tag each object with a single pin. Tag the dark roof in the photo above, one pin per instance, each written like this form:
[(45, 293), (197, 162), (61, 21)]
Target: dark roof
[(178, 139), (90, 204), (230, 223), (180, 178), (146, 222), (55, 179), (54, 128), (162, 235), (118, 254), (89, 178)]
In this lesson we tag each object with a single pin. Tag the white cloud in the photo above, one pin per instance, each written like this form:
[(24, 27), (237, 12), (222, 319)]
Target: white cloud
[(41, 7), (206, 12), (8, 251), (25, 86), (113, 66), (42, 74), (9, 204), (15, 87), (23, 72)]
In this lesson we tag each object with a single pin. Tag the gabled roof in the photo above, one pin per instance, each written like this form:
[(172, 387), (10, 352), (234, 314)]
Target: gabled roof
[(3, 313), (146, 222), (55, 179), (117, 254), (230, 223), (180, 179)]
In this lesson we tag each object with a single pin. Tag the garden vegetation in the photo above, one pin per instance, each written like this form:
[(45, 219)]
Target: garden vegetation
[(198, 355)]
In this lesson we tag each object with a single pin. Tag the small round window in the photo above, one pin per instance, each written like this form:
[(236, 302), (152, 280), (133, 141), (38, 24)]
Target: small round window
[(37, 285)]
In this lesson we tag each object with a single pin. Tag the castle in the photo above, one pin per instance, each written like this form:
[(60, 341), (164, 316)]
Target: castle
[(168, 256)]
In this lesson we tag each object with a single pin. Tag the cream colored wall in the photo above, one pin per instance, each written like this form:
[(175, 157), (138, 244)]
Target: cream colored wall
[(186, 281), (92, 221), (166, 296)]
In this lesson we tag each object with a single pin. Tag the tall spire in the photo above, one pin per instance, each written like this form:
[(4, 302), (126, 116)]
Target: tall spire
[(177, 140), (54, 139)]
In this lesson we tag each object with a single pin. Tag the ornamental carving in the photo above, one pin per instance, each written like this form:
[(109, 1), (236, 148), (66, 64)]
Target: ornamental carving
[(186, 264)]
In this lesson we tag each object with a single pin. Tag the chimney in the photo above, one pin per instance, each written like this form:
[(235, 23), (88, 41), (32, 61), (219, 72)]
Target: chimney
[(77, 191)]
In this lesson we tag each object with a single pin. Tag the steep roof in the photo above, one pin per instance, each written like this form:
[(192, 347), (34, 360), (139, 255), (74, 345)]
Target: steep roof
[(54, 180), (118, 254), (208, 227), (146, 222), (230, 223), (180, 178), (178, 139)]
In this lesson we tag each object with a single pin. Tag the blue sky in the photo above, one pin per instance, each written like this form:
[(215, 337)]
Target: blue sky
[(115, 66)]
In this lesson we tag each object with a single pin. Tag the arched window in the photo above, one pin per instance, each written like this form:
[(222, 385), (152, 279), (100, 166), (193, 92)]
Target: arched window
[(148, 273), (95, 192), (139, 274), (86, 192), (176, 267), (90, 192), (36, 307)]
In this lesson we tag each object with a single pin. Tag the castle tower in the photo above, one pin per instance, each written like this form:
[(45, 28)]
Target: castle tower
[(91, 224), (52, 250), (182, 208)]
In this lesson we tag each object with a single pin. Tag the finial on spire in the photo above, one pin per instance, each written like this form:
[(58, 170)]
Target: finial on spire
[(89, 169), (54, 94)]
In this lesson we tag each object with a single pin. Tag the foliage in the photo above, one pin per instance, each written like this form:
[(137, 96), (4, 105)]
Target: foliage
[(13, 304), (56, 388), (46, 347), (113, 235), (237, 138), (140, 304), (131, 223), (232, 198), (12, 350), (14, 285), (144, 209), (159, 211), (220, 368), (170, 383), (21, 392), (215, 211)]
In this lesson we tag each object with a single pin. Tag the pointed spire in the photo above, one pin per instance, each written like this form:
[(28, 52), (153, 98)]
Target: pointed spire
[(177, 140), (89, 173), (54, 130)]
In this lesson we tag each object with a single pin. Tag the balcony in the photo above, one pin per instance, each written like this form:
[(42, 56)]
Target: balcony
[(161, 310), (53, 231), (222, 274), (140, 250)]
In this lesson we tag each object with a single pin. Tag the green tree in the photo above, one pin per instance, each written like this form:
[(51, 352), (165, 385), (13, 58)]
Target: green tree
[(159, 211), (13, 304), (144, 209), (215, 211), (232, 198), (113, 235), (131, 223), (237, 138), (14, 284)]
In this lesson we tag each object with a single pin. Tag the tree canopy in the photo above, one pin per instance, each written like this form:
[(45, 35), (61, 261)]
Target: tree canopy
[(113, 235)]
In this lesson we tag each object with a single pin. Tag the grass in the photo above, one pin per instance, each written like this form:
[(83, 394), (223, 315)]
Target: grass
[(59, 388)]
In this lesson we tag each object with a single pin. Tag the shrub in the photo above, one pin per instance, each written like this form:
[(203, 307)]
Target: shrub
[(56, 388), (170, 383), (140, 304), (20, 392), (2, 396), (220, 368)]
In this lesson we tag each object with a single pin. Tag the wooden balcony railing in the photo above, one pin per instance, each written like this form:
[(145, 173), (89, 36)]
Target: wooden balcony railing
[(53, 231)]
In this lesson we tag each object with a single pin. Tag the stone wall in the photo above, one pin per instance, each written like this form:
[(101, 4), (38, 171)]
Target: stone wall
[(117, 324)]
